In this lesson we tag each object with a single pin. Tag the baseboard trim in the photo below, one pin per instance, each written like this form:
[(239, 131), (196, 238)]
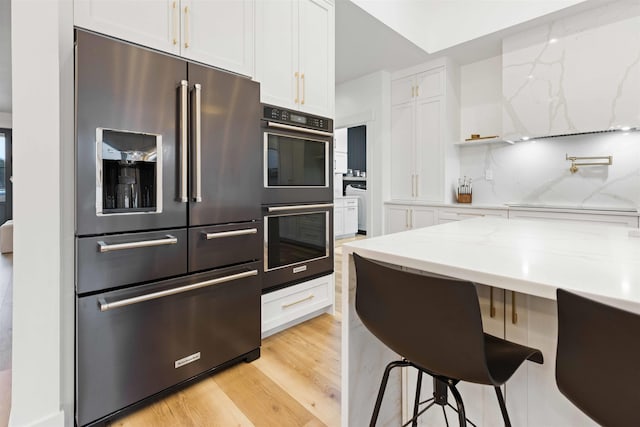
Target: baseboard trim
[(54, 420)]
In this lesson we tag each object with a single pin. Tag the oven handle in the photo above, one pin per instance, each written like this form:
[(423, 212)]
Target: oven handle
[(232, 233), (105, 247), (298, 129), (104, 305), (298, 207)]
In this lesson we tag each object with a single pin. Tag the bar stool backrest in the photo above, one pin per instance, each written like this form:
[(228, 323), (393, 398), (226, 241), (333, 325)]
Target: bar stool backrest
[(433, 322), (598, 359)]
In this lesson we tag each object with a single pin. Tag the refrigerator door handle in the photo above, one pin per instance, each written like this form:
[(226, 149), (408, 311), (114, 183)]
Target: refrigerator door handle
[(104, 305), (184, 136), (196, 122)]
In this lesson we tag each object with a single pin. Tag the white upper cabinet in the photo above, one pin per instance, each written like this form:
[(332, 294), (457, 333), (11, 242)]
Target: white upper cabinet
[(218, 33), (295, 54)]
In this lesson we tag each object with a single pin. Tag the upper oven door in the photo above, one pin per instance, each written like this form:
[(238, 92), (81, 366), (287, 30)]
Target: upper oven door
[(297, 164)]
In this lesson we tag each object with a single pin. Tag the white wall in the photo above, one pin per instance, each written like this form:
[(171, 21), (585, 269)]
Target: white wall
[(42, 69), (367, 101), (5, 120)]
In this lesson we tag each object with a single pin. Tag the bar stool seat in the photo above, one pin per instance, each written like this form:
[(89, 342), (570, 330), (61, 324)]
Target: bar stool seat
[(435, 325), (598, 359)]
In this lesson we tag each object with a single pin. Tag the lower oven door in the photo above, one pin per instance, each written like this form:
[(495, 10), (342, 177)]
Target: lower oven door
[(298, 243), (136, 342)]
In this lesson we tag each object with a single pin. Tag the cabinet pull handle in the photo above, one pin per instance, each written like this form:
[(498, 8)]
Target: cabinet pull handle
[(406, 219), (105, 247), (492, 308), (410, 218), (104, 305), (297, 75), (184, 136), (186, 27), (299, 301), (175, 22), (514, 313), (196, 121), (232, 233), (303, 88)]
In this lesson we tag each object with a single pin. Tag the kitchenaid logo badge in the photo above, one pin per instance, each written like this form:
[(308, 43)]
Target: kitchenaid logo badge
[(300, 269), (186, 360)]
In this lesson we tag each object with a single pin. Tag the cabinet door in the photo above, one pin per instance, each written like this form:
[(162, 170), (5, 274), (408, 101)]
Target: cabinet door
[(151, 23), (219, 33), (340, 162), (403, 90), (351, 220), (316, 57), (341, 140), (338, 221), (423, 217), (397, 218), (430, 84), (402, 152), (277, 52), (429, 169)]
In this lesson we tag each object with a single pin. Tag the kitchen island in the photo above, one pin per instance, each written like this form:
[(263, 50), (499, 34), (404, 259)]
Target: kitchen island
[(518, 265)]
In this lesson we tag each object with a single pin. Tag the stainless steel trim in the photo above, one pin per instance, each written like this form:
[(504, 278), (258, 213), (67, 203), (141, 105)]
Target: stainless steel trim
[(298, 129), (197, 133), (184, 136), (297, 207), (105, 247), (104, 305), (221, 234)]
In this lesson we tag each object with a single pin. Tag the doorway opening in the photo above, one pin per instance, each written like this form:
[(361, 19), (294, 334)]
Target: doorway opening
[(350, 182)]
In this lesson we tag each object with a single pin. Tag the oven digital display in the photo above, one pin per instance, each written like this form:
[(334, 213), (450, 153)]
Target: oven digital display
[(298, 119)]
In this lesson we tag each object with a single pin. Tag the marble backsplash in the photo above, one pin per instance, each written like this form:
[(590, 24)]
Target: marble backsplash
[(537, 172)]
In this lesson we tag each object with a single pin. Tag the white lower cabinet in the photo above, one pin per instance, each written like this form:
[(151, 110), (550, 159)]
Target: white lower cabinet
[(591, 218), (457, 214), (289, 306), (345, 216), (408, 217)]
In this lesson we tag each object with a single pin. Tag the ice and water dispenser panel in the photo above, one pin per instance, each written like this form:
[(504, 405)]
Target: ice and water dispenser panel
[(129, 174)]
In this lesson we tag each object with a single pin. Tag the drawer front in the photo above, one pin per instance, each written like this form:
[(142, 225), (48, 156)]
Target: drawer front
[(351, 202), (129, 352), (290, 303), (449, 215), (223, 245), (614, 220), (106, 262)]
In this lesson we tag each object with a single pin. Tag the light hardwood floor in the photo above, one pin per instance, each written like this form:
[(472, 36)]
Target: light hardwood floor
[(296, 381)]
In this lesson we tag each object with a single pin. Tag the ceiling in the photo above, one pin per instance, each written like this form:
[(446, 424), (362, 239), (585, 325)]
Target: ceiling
[(5, 56), (365, 45)]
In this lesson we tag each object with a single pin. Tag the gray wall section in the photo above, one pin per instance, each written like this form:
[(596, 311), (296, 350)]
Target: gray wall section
[(357, 146)]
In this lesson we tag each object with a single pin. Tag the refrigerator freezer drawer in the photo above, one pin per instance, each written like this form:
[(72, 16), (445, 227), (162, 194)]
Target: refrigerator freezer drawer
[(106, 262), (223, 245), (136, 342)]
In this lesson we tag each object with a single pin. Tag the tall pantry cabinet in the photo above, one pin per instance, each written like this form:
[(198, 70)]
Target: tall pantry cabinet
[(295, 54), (424, 125)]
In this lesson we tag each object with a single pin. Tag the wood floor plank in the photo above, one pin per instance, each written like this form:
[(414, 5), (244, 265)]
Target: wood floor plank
[(263, 401)]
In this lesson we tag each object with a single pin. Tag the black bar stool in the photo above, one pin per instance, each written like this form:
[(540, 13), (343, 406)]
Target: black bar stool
[(598, 359), (436, 326)]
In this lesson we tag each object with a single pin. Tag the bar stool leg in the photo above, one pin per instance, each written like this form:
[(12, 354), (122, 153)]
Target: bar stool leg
[(503, 407), (383, 386), (416, 404), (456, 395)]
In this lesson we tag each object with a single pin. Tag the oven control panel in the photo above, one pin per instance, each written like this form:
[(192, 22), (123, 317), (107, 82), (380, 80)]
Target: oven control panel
[(296, 118)]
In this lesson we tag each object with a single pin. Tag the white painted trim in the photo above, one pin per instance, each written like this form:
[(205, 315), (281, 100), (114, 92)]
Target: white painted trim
[(420, 68), (53, 420), (358, 119)]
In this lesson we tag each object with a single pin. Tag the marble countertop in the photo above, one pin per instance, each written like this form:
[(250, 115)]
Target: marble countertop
[(531, 257)]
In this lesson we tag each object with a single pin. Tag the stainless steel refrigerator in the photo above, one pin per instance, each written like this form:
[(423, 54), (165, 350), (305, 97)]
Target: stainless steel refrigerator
[(168, 223)]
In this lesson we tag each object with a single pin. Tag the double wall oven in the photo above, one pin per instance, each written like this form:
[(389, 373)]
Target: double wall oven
[(297, 197), (168, 233)]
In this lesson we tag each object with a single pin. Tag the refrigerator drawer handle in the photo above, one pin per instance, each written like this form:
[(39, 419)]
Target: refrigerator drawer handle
[(296, 207), (104, 305), (233, 233), (298, 129), (105, 247)]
